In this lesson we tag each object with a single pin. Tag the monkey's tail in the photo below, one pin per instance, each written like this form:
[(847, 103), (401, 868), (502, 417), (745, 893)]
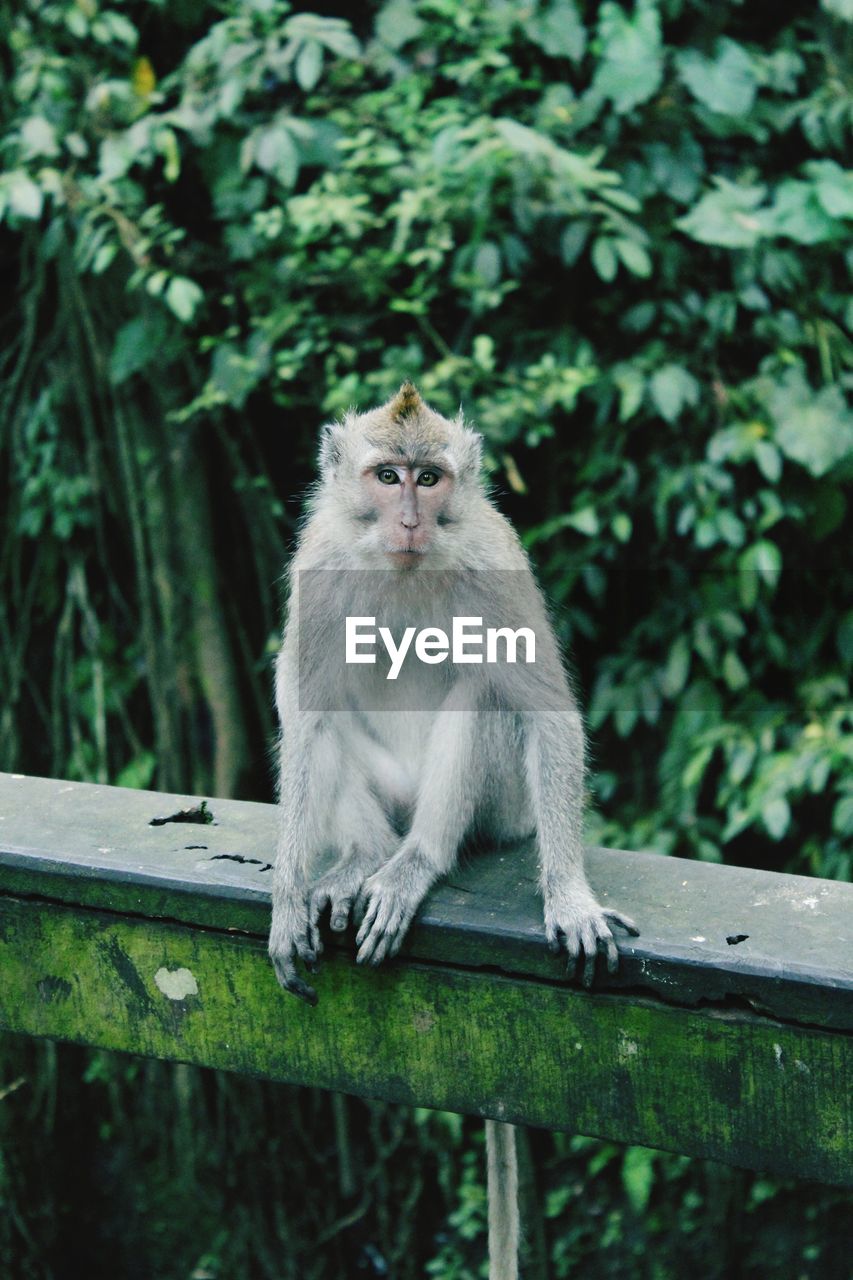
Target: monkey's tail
[(502, 1183)]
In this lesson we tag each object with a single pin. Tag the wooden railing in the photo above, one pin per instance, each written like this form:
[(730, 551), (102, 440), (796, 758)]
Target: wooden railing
[(728, 1031)]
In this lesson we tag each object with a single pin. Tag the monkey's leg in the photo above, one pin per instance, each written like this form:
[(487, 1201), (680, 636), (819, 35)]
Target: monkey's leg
[(447, 798), (364, 831), (574, 920)]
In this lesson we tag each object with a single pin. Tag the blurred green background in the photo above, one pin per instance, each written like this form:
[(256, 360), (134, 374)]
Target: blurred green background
[(619, 236)]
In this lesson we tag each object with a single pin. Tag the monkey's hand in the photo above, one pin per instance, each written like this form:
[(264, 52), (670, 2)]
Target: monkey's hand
[(289, 940), (388, 901), (576, 924)]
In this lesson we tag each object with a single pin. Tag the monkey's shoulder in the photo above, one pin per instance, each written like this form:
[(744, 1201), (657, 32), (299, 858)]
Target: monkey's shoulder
[(493, 540)]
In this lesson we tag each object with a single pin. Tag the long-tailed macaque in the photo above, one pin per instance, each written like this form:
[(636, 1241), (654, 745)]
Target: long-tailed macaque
[(390, 759)]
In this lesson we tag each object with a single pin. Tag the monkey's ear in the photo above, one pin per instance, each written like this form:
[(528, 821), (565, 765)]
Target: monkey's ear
[(471, 460), (331, 447)]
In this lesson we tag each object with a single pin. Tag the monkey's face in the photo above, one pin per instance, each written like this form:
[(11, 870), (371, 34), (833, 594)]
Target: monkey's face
[(407, 505)]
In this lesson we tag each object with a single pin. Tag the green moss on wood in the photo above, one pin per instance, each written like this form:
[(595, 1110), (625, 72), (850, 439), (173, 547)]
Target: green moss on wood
[(733, 1086)]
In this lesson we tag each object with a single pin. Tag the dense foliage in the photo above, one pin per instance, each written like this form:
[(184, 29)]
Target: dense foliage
[(619, 235)]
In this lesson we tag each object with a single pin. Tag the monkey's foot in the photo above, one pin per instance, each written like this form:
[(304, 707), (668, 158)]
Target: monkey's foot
[(337, 890), (388, 901), (576, 924), (289, 941)]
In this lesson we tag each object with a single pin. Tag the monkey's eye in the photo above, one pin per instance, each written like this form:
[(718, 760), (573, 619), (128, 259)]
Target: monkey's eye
[(428, 478), (387, 476)]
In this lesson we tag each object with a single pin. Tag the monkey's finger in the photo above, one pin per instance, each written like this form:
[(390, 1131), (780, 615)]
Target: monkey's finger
[(372, 941), (589, 943), (341, 908), (316, 906), (571, 940), (368, 921), (399, 938), (285, 971), (624, 921), (392, 938), (588, 971), (556, 939), (362, 900), (608, 946), (297, 987), (383, 945), (379, 937), (306, 953)]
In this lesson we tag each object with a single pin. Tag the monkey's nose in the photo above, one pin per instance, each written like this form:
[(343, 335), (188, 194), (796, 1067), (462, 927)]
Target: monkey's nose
[(409, 514)]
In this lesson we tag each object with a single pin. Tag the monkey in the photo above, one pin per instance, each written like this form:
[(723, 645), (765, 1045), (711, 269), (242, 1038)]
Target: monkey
[(387, 766)]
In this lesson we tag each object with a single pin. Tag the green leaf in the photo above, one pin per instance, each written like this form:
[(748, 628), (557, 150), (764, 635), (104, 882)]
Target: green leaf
[(842, 817), (776, 816), (38, 137), (138, 344), (769, 460), (559, 31), (842, 9), (763, 561), (622, 527), (585, 521), (234, 374), (833, 186), (635, 257), (397, 23), (604, 258), (638, 1176), (572, 241), (677, 669), (726, 83), (726, 217), (22, 195), (671, 388), (798, 214), (275, 152), (117, 155), (487, 263), (735, 673), (183, 297), (813, 428), (632, 385), (630, 67), (626, 710), (309, 65), (139, 772)]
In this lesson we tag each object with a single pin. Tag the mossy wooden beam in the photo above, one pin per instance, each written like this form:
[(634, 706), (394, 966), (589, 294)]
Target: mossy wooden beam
[(115, 933)]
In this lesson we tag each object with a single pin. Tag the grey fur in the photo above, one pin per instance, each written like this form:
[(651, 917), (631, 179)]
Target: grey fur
[(498, 750)]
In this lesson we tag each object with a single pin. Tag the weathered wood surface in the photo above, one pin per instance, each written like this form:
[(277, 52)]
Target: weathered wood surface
[(151, 939)]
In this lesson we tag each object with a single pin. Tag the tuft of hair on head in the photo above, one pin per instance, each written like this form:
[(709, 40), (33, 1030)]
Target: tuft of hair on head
[(407, 403)]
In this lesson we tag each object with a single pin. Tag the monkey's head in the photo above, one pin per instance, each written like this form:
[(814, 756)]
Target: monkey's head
[(401, 478)]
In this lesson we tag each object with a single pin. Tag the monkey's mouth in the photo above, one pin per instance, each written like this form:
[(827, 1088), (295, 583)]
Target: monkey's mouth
[(406, 556)]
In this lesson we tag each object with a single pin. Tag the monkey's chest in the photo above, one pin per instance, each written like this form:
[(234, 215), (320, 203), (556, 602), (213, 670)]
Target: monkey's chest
[(391, 748)]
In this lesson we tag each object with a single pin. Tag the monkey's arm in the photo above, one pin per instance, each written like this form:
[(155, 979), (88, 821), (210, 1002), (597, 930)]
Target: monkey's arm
[(298, 816), (443, 812), (574, 920)]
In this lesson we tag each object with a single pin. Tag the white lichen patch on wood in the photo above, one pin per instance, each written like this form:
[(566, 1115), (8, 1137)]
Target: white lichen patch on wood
[(177, 984)]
